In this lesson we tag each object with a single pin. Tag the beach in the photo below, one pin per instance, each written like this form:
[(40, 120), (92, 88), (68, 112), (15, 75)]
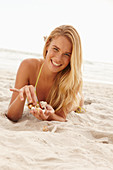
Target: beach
[(84, 142)]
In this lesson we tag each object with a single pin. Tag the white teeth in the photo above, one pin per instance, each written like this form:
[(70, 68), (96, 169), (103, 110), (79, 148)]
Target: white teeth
[(56, 63)]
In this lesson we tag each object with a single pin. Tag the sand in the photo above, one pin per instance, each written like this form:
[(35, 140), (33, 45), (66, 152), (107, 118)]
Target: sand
[(85, 141)]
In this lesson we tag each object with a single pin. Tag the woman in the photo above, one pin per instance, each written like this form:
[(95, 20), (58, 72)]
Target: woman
[(56, 79)]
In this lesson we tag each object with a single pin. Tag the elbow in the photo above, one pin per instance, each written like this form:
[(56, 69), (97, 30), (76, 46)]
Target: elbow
[(12, 118), (64, 120)]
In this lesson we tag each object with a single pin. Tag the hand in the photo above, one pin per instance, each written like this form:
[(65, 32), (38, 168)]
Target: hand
[(26, 91), (44, 112)]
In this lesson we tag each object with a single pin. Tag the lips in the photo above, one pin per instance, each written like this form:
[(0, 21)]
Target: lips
[(55, 64)]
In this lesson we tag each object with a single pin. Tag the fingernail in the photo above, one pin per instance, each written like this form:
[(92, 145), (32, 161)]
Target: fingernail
[(22, 98), (32, 108), (43, 111)]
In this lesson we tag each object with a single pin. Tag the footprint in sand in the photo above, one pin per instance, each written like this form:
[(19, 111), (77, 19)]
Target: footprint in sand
[(87, 102), (102, 137)]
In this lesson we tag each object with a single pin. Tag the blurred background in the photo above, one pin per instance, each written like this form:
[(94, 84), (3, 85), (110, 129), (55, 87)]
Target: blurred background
[(23, 23)]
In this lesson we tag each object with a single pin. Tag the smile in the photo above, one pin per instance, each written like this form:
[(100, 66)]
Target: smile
[(55, 64)]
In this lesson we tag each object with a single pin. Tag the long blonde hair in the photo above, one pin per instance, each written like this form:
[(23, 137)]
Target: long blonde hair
[(68, 82)]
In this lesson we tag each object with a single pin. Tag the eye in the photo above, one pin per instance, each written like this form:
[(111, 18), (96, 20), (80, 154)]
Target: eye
[(67, 55), (55, 49)]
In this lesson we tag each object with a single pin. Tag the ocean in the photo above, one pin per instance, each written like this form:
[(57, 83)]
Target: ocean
[(93, 71)]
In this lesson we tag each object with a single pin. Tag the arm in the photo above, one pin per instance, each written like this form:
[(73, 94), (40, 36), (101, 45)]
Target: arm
[(48, 114), (58, 116), (61, 116), (17, 102), (15, 109)]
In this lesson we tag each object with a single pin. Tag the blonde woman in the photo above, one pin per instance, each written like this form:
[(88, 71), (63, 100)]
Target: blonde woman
[(56, 80)]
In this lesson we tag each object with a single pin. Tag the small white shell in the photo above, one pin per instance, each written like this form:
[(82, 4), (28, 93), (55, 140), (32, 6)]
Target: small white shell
[(43, 110), (32, 108)]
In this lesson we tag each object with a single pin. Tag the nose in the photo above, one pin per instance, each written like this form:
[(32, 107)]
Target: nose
[(58, 58)]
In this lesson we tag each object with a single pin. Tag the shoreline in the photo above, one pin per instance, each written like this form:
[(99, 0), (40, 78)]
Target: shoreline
[(92, 71), (98, 82), (39, 54), (19, 51)]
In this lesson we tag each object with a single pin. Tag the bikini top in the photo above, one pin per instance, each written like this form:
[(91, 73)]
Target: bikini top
[(37, 83), (38, 79)]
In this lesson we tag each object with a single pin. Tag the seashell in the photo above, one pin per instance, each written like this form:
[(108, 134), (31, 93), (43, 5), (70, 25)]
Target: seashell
[(32, 108), (37, 105), (43, 105), (30, 105), (45, 129)]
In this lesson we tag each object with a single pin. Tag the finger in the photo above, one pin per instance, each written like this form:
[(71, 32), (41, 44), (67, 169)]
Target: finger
[(43, 115), (34, 113), (28, 94), (33, 95), (49, 108), (21, 93), (18, 91), (15, 90), (46, 112)]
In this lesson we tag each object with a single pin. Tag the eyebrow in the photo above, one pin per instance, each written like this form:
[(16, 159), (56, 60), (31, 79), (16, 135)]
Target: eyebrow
[(56, 47), (59, 49)]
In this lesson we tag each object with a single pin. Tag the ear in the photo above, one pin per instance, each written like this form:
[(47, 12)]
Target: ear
[(47, 45), (46, 52), (46, 49)]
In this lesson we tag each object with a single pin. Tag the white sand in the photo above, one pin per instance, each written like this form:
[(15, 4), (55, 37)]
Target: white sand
[(85, 141)]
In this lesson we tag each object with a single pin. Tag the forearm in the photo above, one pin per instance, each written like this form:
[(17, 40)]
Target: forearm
[(57, 117), (15, 109)]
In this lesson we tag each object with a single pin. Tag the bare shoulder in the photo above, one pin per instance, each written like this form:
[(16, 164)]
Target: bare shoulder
[(31, 64), (27, 72)]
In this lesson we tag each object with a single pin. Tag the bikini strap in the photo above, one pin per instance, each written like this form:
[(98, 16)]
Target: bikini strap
[(39, 75)]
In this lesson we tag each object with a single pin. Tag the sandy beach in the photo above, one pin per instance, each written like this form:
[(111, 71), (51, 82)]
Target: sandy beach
[(84, 142)]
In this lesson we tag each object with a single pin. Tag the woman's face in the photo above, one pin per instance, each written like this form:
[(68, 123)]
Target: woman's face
[(59, 54)]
